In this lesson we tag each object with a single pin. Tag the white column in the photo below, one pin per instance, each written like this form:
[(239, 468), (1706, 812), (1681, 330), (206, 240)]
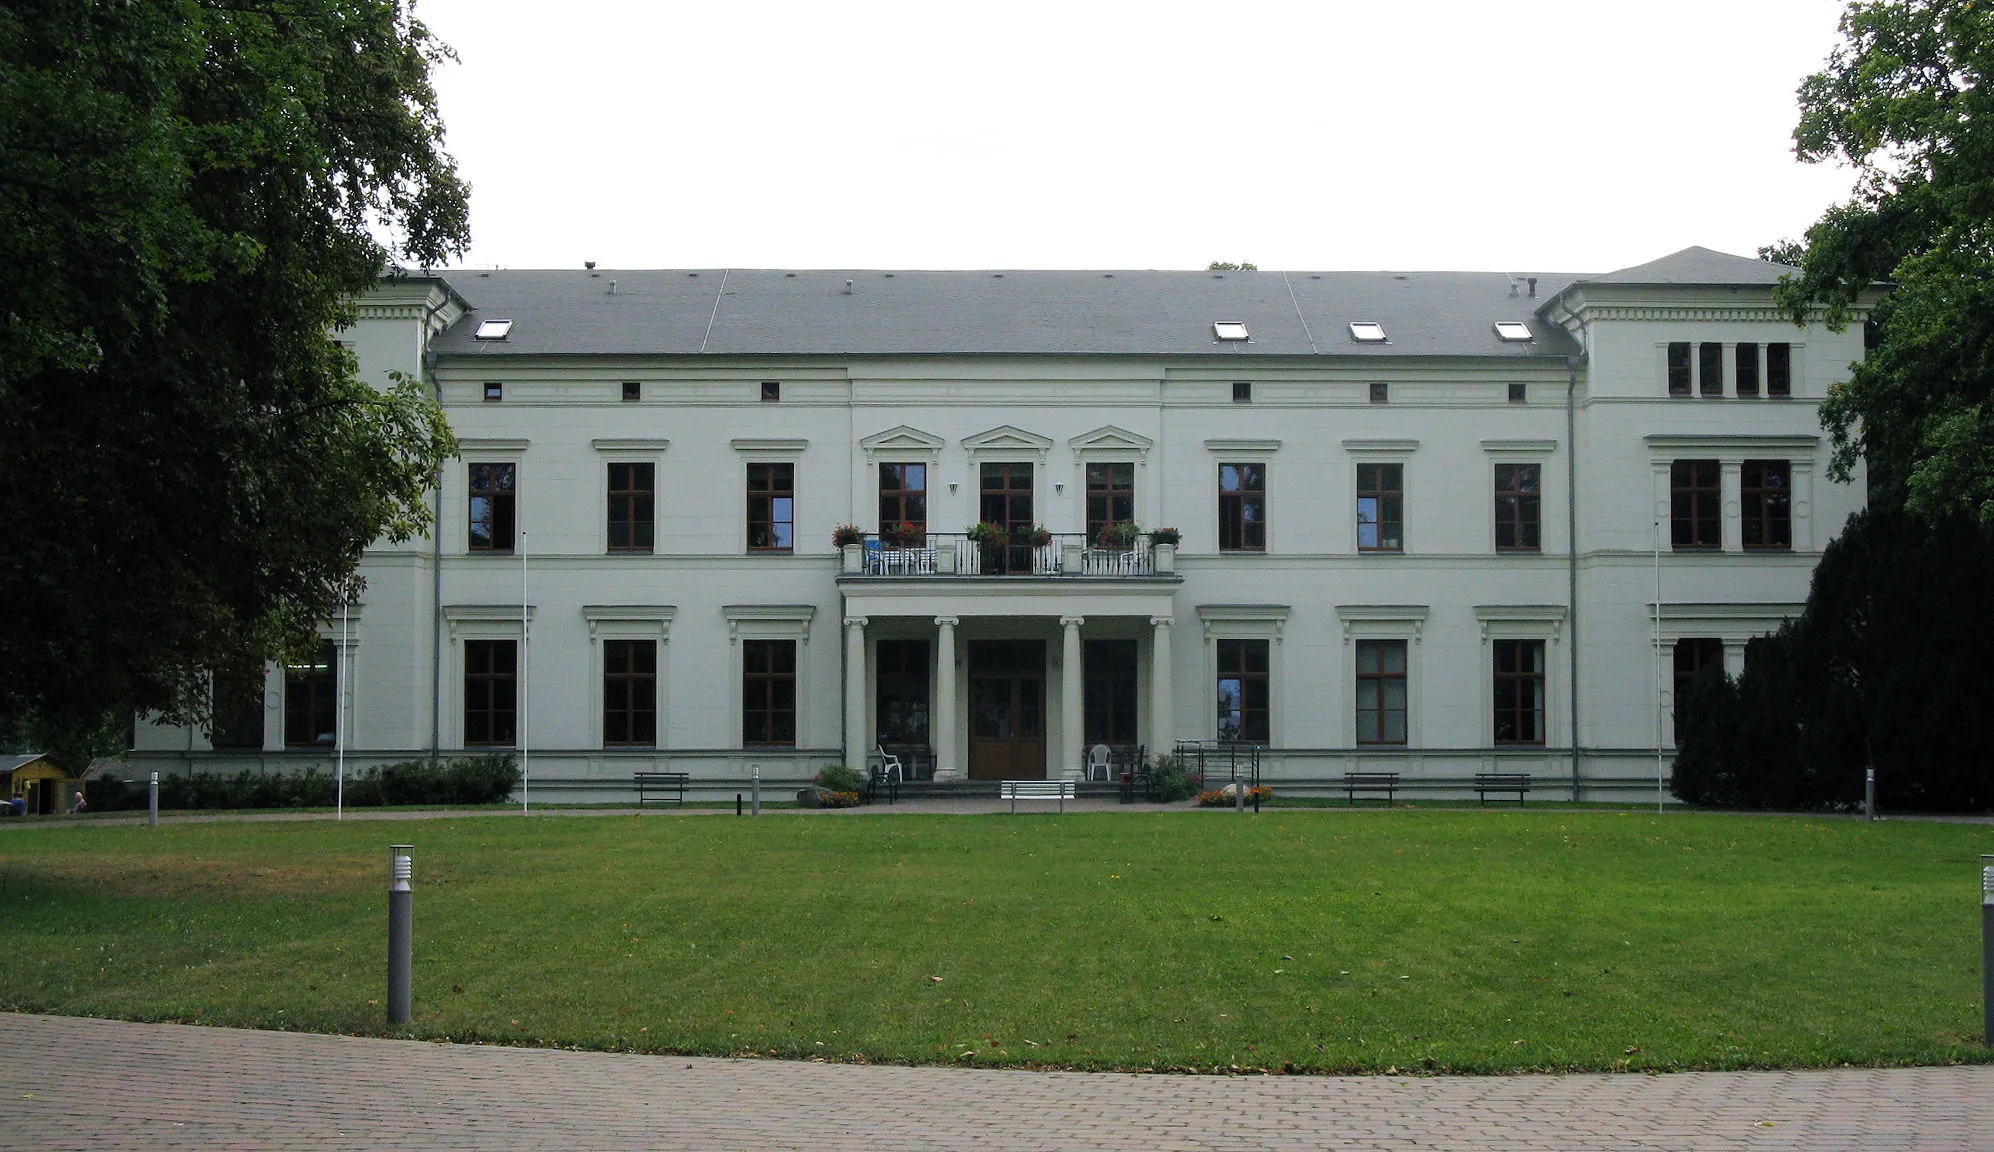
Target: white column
[(857, 741), (1070, 716), (1732, 528), (948, 745), (1161, 725)]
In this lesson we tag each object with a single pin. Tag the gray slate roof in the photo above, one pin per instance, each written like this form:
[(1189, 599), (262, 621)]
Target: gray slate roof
[(770, 312), (1698, 266)]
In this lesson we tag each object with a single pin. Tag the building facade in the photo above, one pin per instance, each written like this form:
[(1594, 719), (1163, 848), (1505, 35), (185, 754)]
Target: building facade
[(1420, 522)]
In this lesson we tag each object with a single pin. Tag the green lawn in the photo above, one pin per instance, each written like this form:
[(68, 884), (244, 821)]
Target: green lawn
[(1428, 939)]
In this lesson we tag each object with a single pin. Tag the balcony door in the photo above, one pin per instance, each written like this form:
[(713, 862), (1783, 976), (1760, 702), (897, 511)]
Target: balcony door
[(1007, 710), (1007, 503)]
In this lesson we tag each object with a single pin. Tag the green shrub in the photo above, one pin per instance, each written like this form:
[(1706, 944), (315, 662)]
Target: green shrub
[(469, 780), (1172, 782), (841, 778)]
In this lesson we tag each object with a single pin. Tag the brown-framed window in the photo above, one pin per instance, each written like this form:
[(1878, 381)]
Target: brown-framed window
[(1747, 363), (1110, 496), (1004, 498), (1518, 507), (902, 692), (768, 692), (1243, 691), (1779, 369), (311, 713), (1242, 507), (771, 507), (633, 499), (1380, 507), (491, 692), (1694, 490), (494, 488), (633, 390), (1710, 369), (1519, 691), (903, 500), (1693, 657), (630, 692), (1765, 492), (1679, 369), (1109, 701), (1381, 692)]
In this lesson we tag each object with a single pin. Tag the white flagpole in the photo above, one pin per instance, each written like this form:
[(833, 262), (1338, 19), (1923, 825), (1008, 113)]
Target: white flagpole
[(525, 648), (1658, 667), (339, 671)]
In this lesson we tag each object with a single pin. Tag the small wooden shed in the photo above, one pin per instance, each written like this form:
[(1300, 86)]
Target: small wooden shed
[(35, 779)]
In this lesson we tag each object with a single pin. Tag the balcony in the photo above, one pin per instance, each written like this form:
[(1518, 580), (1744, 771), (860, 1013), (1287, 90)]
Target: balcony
[(1062, 555)]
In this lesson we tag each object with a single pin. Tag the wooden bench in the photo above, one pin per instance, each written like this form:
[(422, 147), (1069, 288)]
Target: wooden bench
[(1487, 782), (1016, 790), (1355, 782), (663, 785)]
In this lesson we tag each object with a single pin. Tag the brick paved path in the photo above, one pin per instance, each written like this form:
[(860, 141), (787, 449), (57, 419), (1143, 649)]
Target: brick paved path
[(95, 1084)]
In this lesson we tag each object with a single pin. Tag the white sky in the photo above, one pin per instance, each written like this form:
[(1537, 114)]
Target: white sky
[(1504, 136)]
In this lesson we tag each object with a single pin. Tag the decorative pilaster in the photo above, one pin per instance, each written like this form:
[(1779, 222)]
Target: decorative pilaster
[(1161, 724), (1071, 718), (857, 742), (948, 743)]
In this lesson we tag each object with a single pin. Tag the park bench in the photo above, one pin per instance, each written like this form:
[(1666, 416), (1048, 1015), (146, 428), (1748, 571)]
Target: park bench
[(1016, 790), (662, 786), (1500, 782), (1355, 782)]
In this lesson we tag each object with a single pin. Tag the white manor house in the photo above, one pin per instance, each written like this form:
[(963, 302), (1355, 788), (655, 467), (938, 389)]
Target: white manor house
[(1371, 521)]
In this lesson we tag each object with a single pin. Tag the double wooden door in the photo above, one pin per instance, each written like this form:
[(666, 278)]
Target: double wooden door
[(1007, 710)]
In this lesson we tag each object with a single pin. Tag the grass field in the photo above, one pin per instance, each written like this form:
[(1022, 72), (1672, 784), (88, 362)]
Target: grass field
[(1304, 940)]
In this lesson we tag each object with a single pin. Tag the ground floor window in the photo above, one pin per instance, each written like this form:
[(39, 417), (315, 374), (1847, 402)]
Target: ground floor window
[(901, 686), (491, 692), (1243, 691), (1109, 698), (768, 692), (1519, 691), (310, 701), (238, 708), (1694, 655), (1381, 692), (630, 692)]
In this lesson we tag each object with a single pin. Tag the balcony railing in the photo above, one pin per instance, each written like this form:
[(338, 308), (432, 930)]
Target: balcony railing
[(955, 554)]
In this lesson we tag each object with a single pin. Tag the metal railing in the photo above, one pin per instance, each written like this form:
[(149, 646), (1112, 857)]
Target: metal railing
[(956, 554), (1232, 761)]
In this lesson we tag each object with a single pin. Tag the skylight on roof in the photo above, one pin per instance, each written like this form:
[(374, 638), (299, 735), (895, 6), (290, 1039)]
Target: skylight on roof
[(1367, 332), (1513, 330), (1229, 330), (493, 329)]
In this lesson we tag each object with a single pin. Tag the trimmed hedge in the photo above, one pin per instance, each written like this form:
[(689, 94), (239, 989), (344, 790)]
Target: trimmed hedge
[(469, 780)]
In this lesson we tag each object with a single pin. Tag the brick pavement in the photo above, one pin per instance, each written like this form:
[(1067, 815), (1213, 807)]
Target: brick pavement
[(69, 1083)]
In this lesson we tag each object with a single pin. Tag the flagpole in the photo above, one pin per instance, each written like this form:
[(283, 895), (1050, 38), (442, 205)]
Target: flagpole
[(339, 672), (525, 651), (1658, 666)]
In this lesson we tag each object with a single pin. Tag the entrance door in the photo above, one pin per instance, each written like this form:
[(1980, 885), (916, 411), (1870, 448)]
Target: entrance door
[(1006, 501), (1007, 710)]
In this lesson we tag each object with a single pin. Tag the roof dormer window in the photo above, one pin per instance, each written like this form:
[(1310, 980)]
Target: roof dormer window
[(1229, 330), (1515, 331), (1367, 332), (493, 329)]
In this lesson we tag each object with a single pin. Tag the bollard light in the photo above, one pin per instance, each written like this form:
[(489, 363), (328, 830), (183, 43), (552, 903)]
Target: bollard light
[(757, 789), (401, 926), (152, 801), (1987, 949), (1869, 793)]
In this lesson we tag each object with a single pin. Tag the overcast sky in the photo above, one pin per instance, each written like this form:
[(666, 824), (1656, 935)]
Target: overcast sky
[(1500, 136)]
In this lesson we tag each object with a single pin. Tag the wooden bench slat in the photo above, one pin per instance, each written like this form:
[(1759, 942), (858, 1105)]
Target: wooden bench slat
[(1016, 790), (1355, 782), (1487, 782), (662, 782)]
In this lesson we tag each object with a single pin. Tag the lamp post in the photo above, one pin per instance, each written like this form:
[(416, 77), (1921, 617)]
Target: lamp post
[(401, 931), (1987, 950)]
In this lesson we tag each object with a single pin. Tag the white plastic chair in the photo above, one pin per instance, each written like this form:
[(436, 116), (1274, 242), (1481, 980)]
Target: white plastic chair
[(1097, 763), (889, 766)]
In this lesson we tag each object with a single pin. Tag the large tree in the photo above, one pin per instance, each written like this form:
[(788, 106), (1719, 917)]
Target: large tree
[(192, 194), (1907, 99)]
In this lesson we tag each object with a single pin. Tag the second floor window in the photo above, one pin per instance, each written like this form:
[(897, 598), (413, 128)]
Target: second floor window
[(493, 489), (903, 503), (310, 707), (771, 507), (630, 692), (1110, 497), (491, 692), (1517, 505), (1380, 507), (1242, 507), (1244, 691), (768, 692), (632, 507), (1766, 496), (1694, 490)]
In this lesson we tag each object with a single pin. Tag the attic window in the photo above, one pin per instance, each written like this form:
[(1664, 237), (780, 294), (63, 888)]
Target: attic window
[(1367, 332), (1229, 330), (494, 329), (1513, 330)]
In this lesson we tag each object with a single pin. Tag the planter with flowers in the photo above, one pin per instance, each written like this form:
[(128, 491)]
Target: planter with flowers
[(1164, 542), (849, 539)]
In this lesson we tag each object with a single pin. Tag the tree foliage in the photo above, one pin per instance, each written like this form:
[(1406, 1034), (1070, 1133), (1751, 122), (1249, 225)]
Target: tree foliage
[(1906, 99), (1892, 663), (192, 193)]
